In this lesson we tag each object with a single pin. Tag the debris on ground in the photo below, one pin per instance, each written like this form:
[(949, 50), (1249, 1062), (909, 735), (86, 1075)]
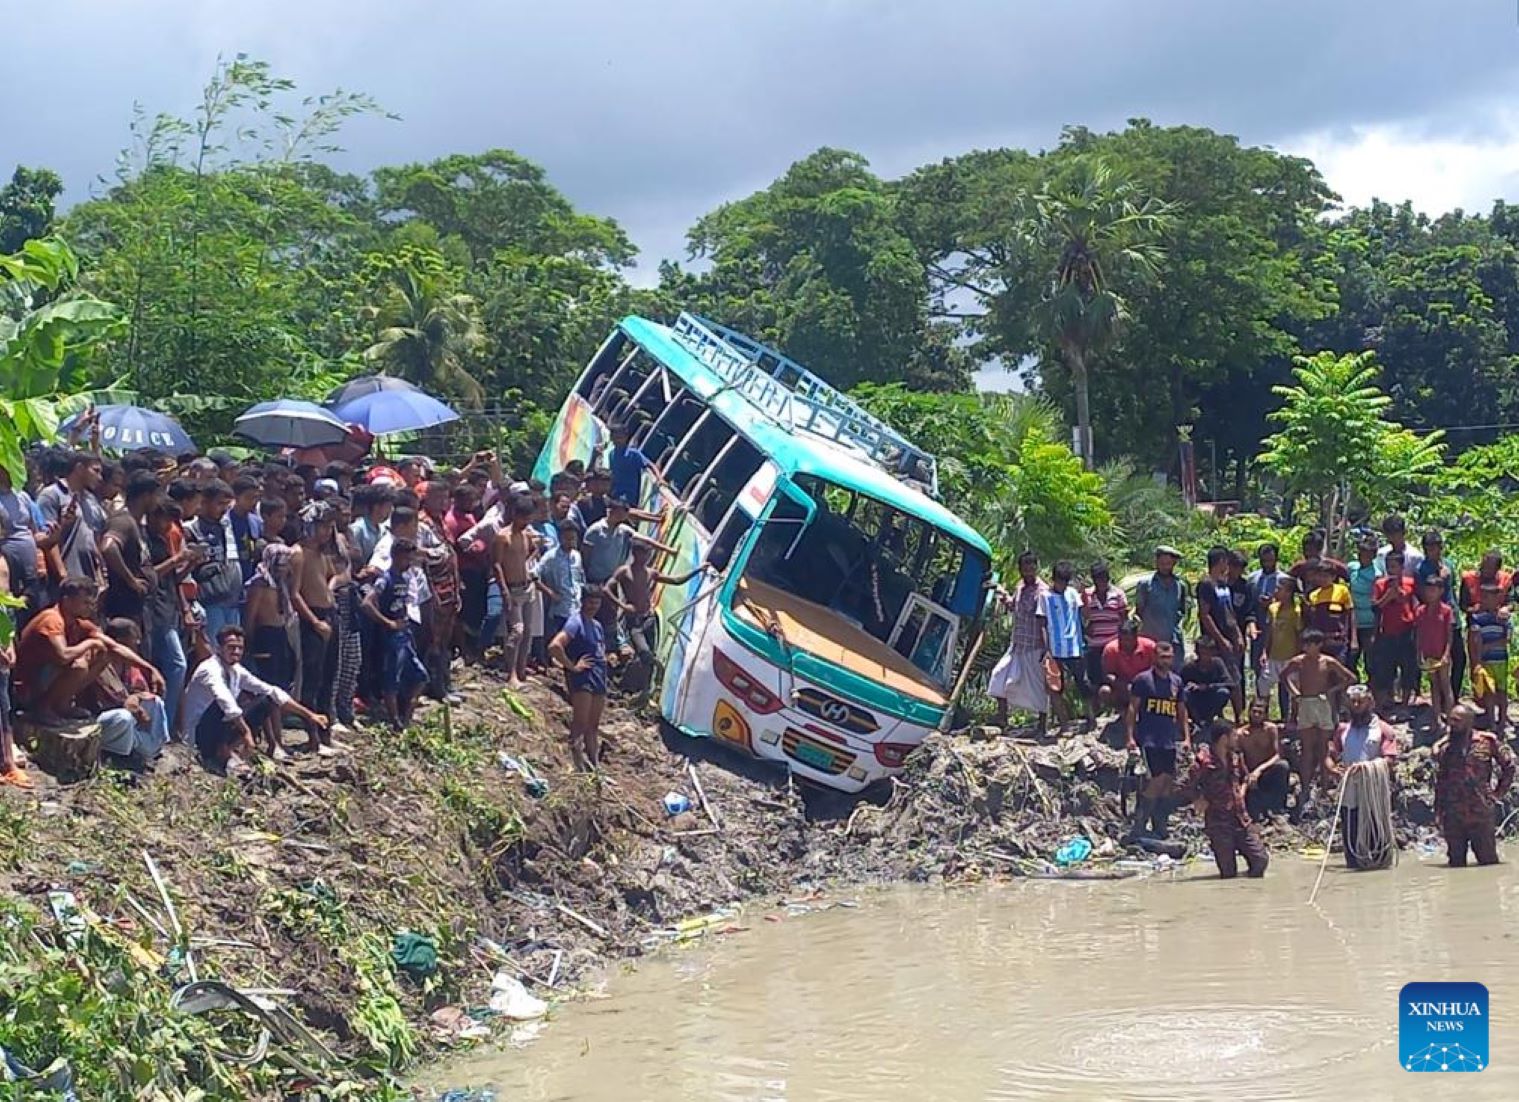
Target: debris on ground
[(402, 899)]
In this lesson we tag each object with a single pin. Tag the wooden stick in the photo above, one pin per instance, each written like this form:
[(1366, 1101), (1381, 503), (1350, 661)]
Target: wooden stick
[(701, 794), (554, 968), (960, 682), (153, 922), (179, 931), (595, 928)]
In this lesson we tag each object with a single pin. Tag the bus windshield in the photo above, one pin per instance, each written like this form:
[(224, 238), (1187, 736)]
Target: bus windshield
[(899, 579)]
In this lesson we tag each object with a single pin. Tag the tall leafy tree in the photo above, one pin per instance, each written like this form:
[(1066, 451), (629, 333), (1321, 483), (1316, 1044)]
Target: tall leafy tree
[(499, 201), (27, 206), (226, 241), (1335, 440), (1090, 238), (425, 329), (819, 265)]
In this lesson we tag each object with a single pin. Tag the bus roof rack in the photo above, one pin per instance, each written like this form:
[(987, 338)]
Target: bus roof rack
[(791, 395)]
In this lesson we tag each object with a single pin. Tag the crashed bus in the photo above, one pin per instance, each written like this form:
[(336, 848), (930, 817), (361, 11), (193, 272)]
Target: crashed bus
[(833, 632)]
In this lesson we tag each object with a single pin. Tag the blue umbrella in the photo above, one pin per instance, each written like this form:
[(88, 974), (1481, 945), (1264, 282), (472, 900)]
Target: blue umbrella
[(290, 423), (365, 385), (390, 409), (127, 428)]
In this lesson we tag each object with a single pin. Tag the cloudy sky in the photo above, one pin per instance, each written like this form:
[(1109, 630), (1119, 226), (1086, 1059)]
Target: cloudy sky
[(654, 111)]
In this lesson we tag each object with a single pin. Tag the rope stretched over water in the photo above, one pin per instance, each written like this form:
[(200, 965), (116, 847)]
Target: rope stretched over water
[(1339, 801), (1371, 784)]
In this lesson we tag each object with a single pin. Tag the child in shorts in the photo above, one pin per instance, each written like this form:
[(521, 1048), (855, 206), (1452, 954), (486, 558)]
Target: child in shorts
[(1314, 678), (1432, 629), (401, 671), (1487, 636)]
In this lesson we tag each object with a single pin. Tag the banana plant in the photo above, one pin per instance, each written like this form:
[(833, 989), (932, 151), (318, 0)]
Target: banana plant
[(48, 333)]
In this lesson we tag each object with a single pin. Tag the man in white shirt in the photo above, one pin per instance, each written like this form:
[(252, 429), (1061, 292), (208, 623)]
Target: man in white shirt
[(224, 703)]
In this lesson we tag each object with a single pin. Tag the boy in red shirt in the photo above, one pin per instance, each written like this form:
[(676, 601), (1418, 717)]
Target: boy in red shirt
[(1394, 665), (1432, 630)]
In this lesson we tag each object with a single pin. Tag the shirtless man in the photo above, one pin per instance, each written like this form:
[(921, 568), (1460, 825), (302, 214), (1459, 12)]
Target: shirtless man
[(1266, 771), (312, 568), (1313, 678), (632, 588), (511, 555)]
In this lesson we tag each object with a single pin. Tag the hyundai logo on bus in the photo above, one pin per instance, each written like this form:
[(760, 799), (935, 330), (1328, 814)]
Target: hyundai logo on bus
[(832, 710)]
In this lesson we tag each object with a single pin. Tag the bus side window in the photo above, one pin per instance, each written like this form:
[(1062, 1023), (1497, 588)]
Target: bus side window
[(608, 359), (648, 404), (616, 400), (713, 496), (671, 428), (697, 453)]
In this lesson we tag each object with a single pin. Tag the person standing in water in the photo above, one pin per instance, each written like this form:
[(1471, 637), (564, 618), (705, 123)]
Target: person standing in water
[(1217, 776), (1365, 738), (1473, 771)]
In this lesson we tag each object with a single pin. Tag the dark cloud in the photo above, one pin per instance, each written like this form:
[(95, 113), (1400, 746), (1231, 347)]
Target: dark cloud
[(655, 112)]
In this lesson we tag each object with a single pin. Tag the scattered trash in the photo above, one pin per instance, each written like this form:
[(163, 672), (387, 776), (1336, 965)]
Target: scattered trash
[(65, 908), (57, 1078), (532, 782), (78, 868), (1073, 851), (279, 1035), (453, 1023), (468, 1094), (676, 803), (513, 1001), (414, 954)]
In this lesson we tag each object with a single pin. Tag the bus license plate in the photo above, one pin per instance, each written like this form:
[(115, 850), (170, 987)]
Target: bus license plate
[(811, 755)]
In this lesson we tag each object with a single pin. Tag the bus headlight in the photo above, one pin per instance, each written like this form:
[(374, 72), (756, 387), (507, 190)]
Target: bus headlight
[(743, 685)]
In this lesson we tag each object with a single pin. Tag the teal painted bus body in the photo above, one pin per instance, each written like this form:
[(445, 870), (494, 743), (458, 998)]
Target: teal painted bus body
[(785, 696)]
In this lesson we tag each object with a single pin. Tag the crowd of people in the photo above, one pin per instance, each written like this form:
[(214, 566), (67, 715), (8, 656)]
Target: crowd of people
[(218, 602), (1333, 649)]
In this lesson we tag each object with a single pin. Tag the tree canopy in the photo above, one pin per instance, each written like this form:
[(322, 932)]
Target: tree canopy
[(1151, 282)]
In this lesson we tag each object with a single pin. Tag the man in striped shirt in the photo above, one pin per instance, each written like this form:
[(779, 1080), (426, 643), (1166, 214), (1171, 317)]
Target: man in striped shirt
[(1104, 608)]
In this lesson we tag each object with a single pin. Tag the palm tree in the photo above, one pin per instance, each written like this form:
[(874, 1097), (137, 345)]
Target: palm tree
[(1095, 238), (426, 333)]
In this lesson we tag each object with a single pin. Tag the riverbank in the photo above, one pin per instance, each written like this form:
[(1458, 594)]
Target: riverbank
[(297, 880)]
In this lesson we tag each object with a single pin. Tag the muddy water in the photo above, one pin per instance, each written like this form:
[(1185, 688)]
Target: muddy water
[(1180, 988)]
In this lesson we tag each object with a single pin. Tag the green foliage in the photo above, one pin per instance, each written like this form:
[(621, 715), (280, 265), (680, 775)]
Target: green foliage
[(26, 206), (818, 265), (1003, 467), (424, 328), (1080, 247), (83, 998), (49, 334), (1335, 440)]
